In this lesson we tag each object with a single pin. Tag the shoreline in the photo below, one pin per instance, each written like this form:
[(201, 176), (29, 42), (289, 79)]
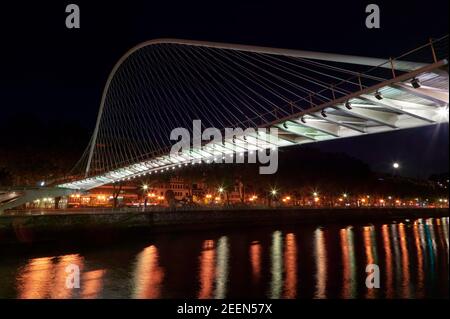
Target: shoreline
[(39, 228)]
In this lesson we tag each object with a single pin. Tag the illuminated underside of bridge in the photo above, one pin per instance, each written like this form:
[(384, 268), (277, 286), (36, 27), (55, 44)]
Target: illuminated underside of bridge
[(302, 94)]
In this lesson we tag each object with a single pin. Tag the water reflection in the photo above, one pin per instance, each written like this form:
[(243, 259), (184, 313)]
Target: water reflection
[(290, 261), (93, 283), (46, 277), (445, 229), (348, 262), (431, 249), (388, 262), (412, 257), (396, 248), (419, 244), (207, 267), (276, 269), (148, 275), (320, 254), (222, 268), (370, 245), (255, 260), (406, 284)]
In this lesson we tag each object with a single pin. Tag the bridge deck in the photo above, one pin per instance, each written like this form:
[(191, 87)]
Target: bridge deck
[(390, 105)]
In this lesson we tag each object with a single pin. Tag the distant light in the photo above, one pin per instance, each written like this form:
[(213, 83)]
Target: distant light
[(220, 189), (273, 192), (144, 187), (315, 193), (396, 165), (345, 195), (42, 183), (443, 112)]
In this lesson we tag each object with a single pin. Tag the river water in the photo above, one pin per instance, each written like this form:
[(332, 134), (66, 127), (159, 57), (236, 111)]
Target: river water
[(296, 261)]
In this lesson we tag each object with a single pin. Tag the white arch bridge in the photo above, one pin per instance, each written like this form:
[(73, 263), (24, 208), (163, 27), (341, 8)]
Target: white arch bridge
[(308, 96)]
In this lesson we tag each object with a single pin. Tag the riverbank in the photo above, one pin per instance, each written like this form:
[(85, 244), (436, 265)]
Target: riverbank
[(35, 228)]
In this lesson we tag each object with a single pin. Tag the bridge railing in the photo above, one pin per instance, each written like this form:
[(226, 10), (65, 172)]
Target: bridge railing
[(431, 52)]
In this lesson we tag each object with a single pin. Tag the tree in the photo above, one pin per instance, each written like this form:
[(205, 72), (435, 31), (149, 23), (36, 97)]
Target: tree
[(170, 197), (6, 178)]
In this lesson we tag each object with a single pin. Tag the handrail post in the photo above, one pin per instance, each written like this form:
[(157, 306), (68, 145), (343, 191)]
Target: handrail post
[(392, 67), (433, 52)]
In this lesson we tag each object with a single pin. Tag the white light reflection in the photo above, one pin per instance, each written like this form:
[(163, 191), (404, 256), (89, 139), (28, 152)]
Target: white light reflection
[(321, 264), (222, 268), (276, 269)]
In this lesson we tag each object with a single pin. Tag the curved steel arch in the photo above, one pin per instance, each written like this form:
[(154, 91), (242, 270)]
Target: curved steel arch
[(330, 57)]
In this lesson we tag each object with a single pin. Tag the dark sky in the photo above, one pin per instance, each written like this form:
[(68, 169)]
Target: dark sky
[(56, 73)]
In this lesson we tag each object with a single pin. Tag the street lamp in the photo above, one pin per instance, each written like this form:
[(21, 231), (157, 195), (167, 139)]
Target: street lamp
[(144, 188), (221, 190), (395, 167)]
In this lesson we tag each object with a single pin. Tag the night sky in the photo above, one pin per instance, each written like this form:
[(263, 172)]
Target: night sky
[(55, 73)]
